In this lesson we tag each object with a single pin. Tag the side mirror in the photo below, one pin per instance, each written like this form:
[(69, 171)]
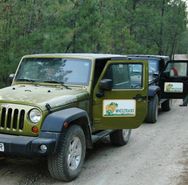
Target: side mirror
[(106, 84), (11, 76)]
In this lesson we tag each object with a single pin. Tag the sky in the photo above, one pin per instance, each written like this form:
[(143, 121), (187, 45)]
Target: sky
[(186, 3)]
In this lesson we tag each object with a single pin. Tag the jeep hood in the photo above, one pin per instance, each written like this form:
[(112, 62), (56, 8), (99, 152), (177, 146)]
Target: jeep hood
[(41, 95)]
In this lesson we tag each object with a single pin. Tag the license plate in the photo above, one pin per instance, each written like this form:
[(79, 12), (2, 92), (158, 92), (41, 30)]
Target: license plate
[(2, 147)]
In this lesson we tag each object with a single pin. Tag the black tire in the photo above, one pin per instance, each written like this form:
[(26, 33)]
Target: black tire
[(166, 106), (152, 114), (120, 137), (65, 165)]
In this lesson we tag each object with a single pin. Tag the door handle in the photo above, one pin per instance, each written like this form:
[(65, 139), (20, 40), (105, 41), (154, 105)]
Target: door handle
[(139, 97)]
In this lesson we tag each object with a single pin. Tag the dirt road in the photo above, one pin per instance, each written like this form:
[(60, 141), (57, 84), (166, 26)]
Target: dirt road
[(157, 154)]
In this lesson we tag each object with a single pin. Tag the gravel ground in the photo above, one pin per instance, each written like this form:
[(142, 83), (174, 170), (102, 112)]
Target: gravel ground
[(157, 154)]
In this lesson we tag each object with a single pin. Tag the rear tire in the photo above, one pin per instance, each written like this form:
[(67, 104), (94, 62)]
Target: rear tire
[(67, 163), (152, 110), (120, 137), (166, 106)]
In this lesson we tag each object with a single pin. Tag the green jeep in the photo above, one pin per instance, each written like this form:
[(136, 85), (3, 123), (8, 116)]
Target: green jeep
[(60, 104)]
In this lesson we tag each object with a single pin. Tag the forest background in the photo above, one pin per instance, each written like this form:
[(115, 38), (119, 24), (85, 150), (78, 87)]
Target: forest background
[(94, 26)]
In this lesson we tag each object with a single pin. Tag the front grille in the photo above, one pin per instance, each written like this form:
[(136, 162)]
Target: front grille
[(12, 119)]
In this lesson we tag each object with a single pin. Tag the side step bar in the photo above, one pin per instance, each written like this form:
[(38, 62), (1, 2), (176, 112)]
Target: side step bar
[(96, 137)]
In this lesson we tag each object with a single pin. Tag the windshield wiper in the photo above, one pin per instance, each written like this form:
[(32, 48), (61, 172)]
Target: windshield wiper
[(53, 81), (25, 80)]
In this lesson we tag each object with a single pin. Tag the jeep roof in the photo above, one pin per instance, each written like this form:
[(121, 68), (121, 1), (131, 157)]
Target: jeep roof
[(76, 55), (149, 56)]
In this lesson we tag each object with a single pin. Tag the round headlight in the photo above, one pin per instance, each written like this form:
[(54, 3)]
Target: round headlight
[(35, 115)]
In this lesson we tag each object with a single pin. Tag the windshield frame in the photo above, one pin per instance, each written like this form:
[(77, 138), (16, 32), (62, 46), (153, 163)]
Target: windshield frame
[(34, 81)]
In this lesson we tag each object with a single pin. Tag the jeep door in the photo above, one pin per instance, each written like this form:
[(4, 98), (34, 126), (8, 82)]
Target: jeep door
[(174, 80), (120, 95)]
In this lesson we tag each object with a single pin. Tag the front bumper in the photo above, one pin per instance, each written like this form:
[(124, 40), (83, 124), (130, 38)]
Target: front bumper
[(28, 146)]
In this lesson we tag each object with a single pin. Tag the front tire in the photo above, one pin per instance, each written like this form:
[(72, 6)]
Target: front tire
[(120, 137), (152, 114), (67, 163)]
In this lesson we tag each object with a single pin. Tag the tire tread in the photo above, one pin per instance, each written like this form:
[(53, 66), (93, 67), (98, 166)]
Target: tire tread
[(56, 162)]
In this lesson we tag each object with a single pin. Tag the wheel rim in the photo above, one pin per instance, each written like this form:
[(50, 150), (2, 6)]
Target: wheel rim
[(75, 152), (125, 133)]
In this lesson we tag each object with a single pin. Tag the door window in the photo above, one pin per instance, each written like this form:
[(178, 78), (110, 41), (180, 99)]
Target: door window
[(177, 69), (125, 76)]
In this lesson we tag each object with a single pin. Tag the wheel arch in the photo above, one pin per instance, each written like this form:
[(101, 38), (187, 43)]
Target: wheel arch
[(83, 123), (63, 119), (153, 90)]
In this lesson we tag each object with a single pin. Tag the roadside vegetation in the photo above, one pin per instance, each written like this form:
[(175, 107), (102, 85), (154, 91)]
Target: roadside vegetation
[(122, 27)]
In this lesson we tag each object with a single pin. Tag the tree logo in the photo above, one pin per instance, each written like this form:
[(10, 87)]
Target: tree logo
[(111, 108)]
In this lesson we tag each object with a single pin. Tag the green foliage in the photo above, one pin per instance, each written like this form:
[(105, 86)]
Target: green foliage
[(182, 46), (122, 27)]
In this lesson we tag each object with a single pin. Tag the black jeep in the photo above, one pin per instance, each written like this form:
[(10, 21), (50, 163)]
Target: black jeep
[(156, 99)]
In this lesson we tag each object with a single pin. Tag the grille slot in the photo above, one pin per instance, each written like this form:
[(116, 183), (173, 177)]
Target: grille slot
[(3, 115), (9, 115), (12, 119), (15, 119), (21, 121)]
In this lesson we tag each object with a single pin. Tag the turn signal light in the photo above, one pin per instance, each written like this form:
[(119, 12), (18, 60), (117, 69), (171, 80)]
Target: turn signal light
[(66, 125), (35, 129)]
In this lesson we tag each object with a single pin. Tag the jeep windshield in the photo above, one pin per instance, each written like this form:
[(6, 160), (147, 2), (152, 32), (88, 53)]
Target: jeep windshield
[(54, 70), (153, 69)]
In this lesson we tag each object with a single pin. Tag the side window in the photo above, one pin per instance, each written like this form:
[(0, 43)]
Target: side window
[(177, 69), (125, 76)]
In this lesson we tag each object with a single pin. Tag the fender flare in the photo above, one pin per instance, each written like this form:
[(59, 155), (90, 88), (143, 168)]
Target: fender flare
[(153, 90), (55, 121)]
